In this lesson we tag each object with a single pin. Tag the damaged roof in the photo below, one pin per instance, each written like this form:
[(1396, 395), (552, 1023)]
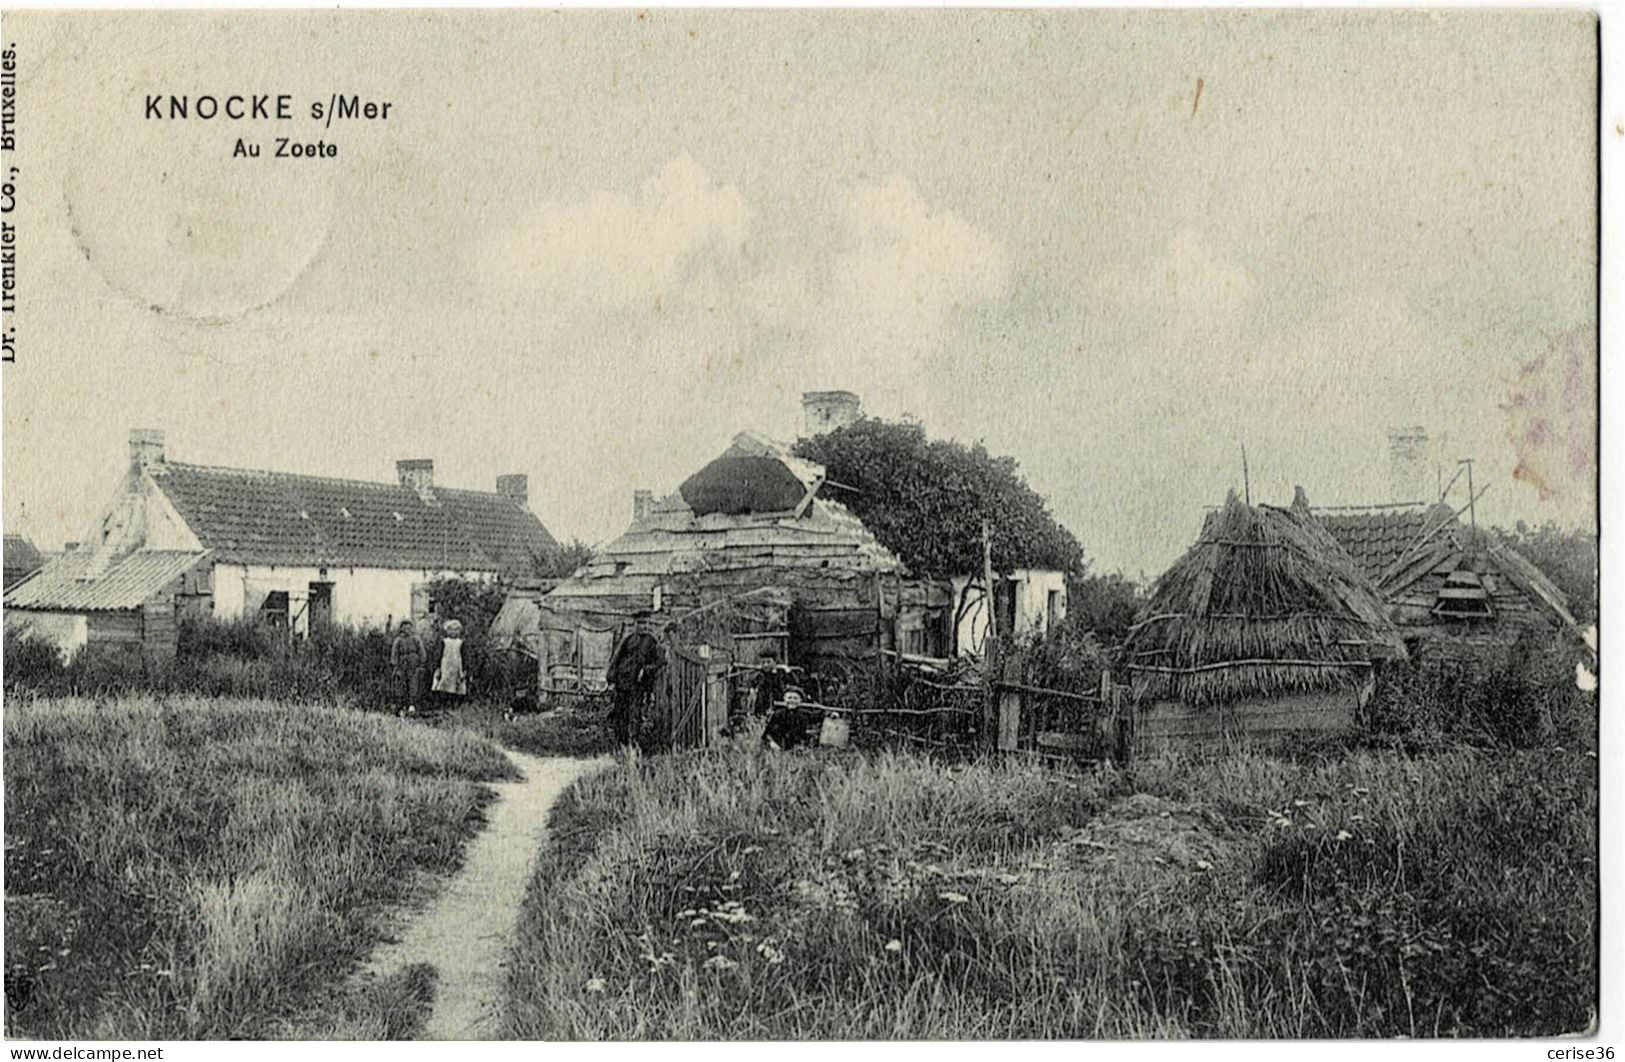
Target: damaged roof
[(755, 506)]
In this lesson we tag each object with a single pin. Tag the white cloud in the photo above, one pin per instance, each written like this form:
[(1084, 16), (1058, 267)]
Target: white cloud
[(1187, 276), (899, 274), (616, 250), (911, 266)]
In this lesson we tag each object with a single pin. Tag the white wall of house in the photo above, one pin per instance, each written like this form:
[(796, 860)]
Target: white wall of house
[(1040, 600), (66, 630), (362, 597)]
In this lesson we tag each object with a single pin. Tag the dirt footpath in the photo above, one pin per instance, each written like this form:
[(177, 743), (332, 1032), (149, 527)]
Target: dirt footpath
[(465, 932)]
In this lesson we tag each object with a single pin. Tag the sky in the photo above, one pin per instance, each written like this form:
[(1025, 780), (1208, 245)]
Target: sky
[(592, 246)]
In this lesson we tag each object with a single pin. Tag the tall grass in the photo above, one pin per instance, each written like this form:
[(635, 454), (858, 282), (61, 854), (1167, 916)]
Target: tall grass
[(740, 893), (185, 867)]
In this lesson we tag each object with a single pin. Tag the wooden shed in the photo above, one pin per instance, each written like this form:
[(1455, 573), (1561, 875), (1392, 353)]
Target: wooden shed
[(1454, 592), (1264, 627), (132, 602), (748, 551)]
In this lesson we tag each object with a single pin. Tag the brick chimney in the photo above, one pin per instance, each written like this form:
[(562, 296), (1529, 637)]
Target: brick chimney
[(515, 486), (827, 411), (642, 502), (416, 473), (146, 447)]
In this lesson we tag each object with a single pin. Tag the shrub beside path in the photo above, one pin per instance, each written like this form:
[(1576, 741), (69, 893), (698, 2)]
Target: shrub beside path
[(465, 932)]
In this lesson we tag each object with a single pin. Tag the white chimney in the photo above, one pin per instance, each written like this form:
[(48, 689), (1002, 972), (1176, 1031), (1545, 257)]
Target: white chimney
[(416, 473), (1409, 479), (146, 447), (827, 411), (642, 502)]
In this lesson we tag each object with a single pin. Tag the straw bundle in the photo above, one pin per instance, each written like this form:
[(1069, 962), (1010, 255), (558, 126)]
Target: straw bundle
[(1266, 602)]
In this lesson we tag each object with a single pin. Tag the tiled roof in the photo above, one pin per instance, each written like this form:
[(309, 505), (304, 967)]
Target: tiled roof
[(1377, 540), (60, 586), (249, 517), (20, 558)]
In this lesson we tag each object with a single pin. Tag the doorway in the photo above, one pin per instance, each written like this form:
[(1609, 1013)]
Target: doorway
[(321, 606)]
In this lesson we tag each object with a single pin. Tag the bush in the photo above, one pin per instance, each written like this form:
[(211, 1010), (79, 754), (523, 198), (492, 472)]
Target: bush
[(1526, 700), (245, 658)]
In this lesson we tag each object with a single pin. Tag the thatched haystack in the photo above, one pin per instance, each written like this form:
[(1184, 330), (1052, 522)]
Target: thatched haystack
[(1265, 604)]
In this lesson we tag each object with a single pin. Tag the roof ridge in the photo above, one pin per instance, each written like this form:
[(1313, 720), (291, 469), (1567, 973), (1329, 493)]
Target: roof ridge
[(346, 481)]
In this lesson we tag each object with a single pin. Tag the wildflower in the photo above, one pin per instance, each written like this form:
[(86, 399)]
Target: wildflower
[(719, 962), (1009, 879), (1283, 822), (767, 950), (595, 985), (750, 849), (1300, 803), (696, 923), (894, 945), (734, 876), (954, 897), (1361, 790), (1202, 864), (1344, 835), (856, 853)]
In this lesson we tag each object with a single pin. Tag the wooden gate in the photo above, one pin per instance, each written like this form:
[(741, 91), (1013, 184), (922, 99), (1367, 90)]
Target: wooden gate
[(691, 703)]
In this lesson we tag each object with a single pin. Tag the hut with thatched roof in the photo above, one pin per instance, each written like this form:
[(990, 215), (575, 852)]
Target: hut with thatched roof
[(1265, 626)]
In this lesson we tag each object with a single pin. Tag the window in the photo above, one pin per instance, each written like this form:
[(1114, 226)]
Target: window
[(274, 609), (1052, 610), (1463, 597)]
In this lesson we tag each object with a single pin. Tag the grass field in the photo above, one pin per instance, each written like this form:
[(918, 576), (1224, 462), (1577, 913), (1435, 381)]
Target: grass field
[(739, 893), (184, 867)]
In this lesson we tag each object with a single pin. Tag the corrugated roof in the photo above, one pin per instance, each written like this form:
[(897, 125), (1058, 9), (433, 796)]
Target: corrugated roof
[(61, 585), (252, 517)]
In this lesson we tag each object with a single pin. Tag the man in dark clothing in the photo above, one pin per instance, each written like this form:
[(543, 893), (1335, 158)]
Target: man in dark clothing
[(406, 661), (633, 667)]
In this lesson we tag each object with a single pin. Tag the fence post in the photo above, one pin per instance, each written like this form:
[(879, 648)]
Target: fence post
[(1009, 720)]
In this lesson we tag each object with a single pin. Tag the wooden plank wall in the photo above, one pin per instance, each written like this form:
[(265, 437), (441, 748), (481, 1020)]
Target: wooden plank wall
[(1170, 724), (1485, 641)]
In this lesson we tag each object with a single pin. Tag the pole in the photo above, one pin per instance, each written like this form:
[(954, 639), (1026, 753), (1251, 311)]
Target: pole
[(1246, 478), (987, 576), (1472, 501), (990, 730)]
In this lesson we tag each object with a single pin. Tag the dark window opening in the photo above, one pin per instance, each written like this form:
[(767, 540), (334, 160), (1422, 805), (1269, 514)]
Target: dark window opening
[(274, 609), (1463, 596)]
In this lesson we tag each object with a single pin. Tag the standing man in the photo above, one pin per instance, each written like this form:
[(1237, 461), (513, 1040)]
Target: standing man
[(633, 667), (406, 661)]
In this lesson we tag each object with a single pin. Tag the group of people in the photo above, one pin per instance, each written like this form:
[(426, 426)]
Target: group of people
[(434, 662), (429, 670)]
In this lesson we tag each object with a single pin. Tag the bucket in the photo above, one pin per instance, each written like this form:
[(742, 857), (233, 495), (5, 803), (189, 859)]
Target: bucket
[(835, 731)]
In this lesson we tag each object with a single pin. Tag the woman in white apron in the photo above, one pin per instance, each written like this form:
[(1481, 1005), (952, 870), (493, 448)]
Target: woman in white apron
[(450, 680)]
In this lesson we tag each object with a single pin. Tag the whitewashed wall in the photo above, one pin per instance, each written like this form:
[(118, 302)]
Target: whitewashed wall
[(362, 597), (67, 631), (1033, 586)]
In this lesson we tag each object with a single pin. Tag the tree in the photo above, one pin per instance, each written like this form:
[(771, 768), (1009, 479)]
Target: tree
[(1104, 604), (1568, 559), (926, 499), (561, 563)]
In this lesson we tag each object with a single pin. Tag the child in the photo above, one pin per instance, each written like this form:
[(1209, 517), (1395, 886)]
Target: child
[(406, 660), (449, 677)]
